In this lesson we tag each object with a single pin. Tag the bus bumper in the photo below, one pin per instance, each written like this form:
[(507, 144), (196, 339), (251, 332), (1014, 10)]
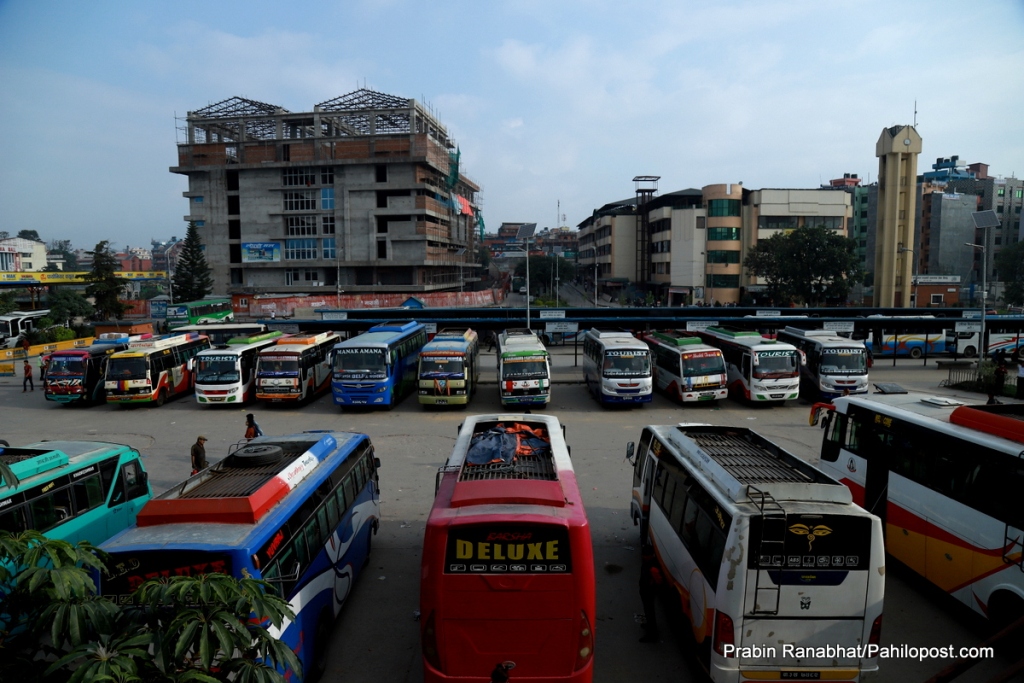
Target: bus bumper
[(723, 675), (626, 398), (130, 398), (525, 400), (706, 395)]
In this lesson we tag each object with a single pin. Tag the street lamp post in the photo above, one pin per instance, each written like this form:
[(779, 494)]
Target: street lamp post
[(526, 231), (913, 276), (981, 343)]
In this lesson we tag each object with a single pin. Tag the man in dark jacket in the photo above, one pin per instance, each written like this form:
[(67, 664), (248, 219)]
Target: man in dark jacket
[(199, 455)]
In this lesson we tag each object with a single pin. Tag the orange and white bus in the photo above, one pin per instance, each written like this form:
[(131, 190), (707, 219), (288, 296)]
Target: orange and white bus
[(296, 368), (507, 574), (153, 370), (946, 479)]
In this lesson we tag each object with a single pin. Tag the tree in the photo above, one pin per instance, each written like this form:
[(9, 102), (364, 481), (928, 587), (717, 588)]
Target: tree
[(29, 235), (1010, 266), (810, 265), (105, 286), (7, 303), (543, 270), (66, 304), (63, 247), (177, 629), (192, 280)]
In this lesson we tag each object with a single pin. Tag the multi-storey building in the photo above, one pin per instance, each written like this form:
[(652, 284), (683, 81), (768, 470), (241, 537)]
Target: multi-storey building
[(897, 150), (363, 193), (20, 254), (607, 246)]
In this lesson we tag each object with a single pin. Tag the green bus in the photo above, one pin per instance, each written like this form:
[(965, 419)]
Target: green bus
[(198, 312), (71, 490)]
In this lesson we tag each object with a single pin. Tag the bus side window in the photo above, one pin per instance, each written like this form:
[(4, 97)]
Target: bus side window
[(50, 510), (688, 526), (108, 468), (88, 494), (678, 506), (659, 485), (745, 367), (641, 457), (13, 521)]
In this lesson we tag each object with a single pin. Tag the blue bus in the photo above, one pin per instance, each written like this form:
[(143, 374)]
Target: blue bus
[(296, 511), (378, 367)]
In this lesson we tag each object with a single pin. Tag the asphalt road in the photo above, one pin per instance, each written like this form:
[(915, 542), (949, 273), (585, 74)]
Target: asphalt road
[(376, 638)]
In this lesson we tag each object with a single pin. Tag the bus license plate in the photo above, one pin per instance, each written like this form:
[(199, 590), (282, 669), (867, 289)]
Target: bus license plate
[(800, 675), (441, 401)]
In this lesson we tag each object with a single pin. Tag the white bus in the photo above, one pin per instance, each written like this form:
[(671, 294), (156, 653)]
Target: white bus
[(687, 369), (1010, 342), (760, 370), (767, 556), (830, 365), (227, 374), (295, 368), (524, 369), (17, 323), (946, 479), (617, 367)]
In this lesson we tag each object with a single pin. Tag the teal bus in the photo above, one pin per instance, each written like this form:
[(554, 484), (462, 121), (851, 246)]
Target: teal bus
[(199, 312), (71, 490)]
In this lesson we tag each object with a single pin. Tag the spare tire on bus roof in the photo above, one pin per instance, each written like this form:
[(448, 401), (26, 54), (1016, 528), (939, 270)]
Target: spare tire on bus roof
[(255, 455)]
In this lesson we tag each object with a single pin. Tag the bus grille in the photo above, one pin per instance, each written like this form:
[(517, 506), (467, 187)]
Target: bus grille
[(750, 463)]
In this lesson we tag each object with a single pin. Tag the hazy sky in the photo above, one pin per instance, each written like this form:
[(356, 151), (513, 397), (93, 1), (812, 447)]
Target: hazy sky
[(549, 100)]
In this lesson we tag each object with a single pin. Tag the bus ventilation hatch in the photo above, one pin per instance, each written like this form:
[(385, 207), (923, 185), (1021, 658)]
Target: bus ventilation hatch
[(748, 462), (774, 523)]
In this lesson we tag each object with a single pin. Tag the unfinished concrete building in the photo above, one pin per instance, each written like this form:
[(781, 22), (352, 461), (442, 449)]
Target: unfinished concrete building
[(362, 194)]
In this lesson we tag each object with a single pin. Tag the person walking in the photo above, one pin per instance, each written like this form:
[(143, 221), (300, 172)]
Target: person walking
[(43, 362), (1020, 377), (650, 579), (199, 454), (1000, 378), (252, 430), (26, 371)]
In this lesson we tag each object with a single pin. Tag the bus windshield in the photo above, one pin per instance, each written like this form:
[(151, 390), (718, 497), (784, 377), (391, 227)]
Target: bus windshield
[(843, 362), (524, 368), (369, 363), (435, 366), (627, 364), (774, 364), (698, 365), (128, 368), (217, 370), (66, 365), (279, 365)]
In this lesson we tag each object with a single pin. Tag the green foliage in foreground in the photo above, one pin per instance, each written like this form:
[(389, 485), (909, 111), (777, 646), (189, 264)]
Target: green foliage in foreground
[(195, 629)]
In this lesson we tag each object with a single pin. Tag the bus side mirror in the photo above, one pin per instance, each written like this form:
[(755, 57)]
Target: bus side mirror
[(630, 447), (191, 364), (376, 463)]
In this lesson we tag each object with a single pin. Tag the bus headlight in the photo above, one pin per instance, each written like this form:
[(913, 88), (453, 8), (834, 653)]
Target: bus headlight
[(382, 388)]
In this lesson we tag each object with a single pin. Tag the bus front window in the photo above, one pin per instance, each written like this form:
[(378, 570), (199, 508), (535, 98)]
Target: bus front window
[(127, 368), (775, 364), (361, 363), (278, 366), (217, 370), (843, 362), (432, 366), (66, 366), (626, 364), (517, 369), (702, 365)]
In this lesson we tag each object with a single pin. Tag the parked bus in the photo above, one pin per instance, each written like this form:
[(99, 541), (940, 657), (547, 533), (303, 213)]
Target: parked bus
[(296, 511), (830, 365), (199, 312), (78, 375), (687, 369), (945, 478), (295, 368), (227, 373), (760, 370), (221, 332), (1000, 338), (449, 368), (508, 566), (524, 369), (904, 341), (154, 369), (72, 490), (761, 550), (616, 367), (378, 367), (13, 325)]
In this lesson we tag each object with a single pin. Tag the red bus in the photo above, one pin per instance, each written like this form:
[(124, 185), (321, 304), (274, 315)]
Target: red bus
[(507, 577)]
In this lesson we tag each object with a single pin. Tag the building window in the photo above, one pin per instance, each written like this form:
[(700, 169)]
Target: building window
[(234, 229), (231, 180), (298, 176), (382, 173), (723, 207), (937, 300), (300, 250), (723, 234), (1001, 192), (234, 253), (776, 222), (234, 205), (296, 226), (236, 279), (200, 224), (327, 223), (382, 249), (327, 198), (327, 175), (301, 276), (299, 201), (721, 281), (999, 209), (197, 200), (828, 222), (328, 246), (721, 256)]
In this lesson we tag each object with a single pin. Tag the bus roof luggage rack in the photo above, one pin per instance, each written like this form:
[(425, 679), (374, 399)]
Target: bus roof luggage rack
[(735, 458)]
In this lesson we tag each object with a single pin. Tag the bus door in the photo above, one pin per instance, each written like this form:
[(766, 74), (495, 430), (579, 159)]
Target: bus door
[(643, 478), (878, 452), (808, 576), (130, 491), (747, 371)]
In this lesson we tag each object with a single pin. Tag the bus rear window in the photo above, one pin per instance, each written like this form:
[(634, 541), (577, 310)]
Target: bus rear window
[(128, 570), (811, 542), (508, 549)]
